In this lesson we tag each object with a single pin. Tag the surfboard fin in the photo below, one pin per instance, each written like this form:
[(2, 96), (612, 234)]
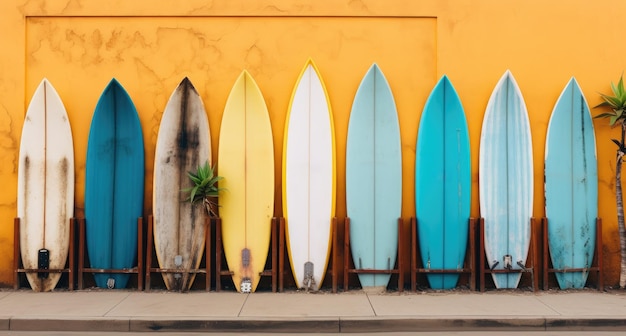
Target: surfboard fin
[(309, 280), (43, 263), (246, 285), (178, 262), (508, 261), (521, 264)]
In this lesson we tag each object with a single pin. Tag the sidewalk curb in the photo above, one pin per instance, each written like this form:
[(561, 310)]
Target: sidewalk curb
[(585, 324), (443, 324), (64, 324), (312, 325)]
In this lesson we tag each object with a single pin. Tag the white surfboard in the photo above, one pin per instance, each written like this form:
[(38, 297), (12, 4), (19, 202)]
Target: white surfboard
[(45, 192), (309, 178), (183, 143)]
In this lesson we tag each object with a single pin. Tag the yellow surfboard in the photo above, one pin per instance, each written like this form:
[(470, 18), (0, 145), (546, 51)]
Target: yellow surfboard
[(246, 161)]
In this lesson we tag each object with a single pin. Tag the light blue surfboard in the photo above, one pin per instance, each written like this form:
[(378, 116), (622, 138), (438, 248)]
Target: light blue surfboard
[(571, 186), (114, 185), (374, 178), (506, 181), (443, 184)]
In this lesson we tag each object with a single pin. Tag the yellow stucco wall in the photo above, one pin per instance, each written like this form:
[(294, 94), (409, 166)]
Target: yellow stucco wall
[(149, 46)]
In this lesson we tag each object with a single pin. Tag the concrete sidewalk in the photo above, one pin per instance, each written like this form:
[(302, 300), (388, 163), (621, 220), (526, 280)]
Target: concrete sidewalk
[(322, 312)]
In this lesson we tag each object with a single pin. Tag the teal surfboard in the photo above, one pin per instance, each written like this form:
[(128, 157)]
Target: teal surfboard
[(571, 186), (443, 184), (374, 178), (506, 181), (114, 185)]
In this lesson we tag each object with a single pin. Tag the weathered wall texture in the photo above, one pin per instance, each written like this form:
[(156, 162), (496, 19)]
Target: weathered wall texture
[(149, 46)]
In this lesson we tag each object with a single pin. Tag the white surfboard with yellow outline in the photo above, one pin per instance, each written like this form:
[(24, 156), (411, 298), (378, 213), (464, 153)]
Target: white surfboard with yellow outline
[(309, 182)]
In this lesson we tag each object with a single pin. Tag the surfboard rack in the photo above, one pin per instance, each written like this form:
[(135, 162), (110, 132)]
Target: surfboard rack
[(347, 258), (532, 255), (596, 263), (277, 250), (82, 250), (18, 267), (151, 249), (470, 258)]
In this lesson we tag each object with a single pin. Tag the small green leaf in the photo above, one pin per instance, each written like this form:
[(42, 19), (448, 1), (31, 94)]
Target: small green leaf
[(194, 178), (602, 104), (613, 102), (604, 115), (192, 196), (212, 193), (204, 183), (614, 89)]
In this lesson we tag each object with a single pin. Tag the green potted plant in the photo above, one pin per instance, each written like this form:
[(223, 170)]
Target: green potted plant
[(204, 188), (616, 106)]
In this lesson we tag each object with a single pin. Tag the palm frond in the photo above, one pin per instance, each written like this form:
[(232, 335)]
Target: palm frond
[(615, 102)]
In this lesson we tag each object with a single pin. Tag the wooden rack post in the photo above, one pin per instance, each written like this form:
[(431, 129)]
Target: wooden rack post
[(281, 254), (348, 256), (470, 259), (134, 270), (277, 255), (532, 255), (335, 253), (150, 250), (219, 272), (596, 263), (17, 257)]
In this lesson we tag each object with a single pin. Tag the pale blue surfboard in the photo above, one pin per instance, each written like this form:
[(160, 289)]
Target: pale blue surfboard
[(506, 180), (113, 185), (443, 184), (374, 178), (571, 186)]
